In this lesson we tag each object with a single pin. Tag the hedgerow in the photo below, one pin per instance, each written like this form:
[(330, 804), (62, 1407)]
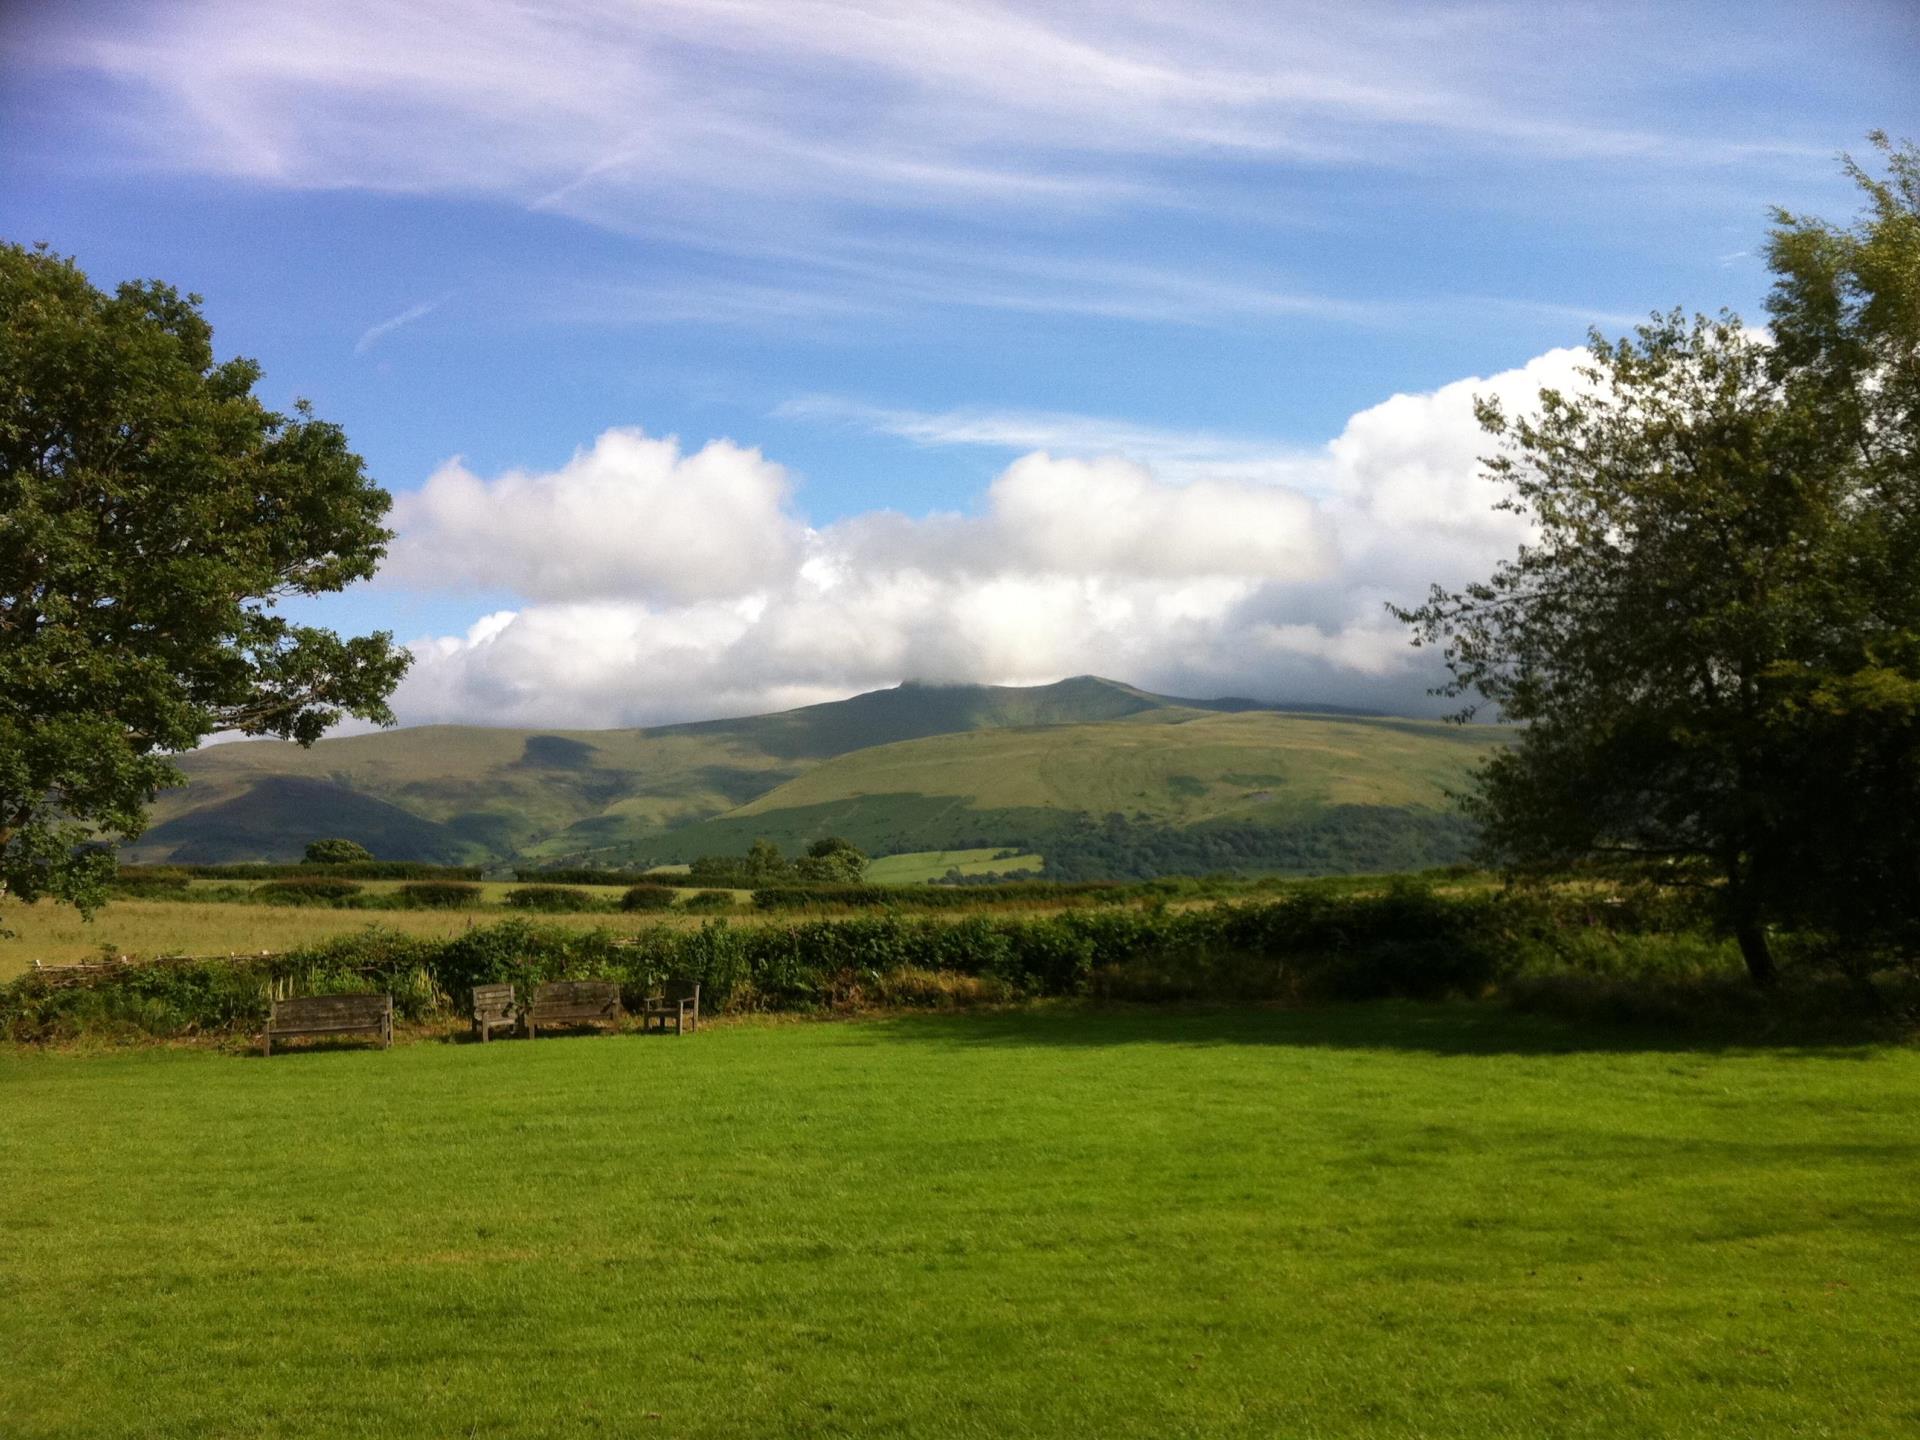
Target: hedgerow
[(305, 890), (935, 897), (438, 895), (586, 875), (551, 898), (350, 870), (1310, 945)]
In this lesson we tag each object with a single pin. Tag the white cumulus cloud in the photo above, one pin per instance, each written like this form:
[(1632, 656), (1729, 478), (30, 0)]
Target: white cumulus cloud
[(662, 586), (632, 517)]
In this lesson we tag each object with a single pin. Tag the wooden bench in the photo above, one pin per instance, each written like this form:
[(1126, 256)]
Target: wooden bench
[(331, 1015), (572, 1002), (492, 1010), (682, 1007)]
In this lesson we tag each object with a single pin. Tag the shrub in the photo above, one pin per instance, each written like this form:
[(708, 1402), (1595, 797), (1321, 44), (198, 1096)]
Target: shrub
[(551, 898), (337, 852), (934, 896), (709, 900), (306, 890), (438, 895), (586, 875), (150, 883), (360, 870), (1545, 950), (938, 989), (647, 897)]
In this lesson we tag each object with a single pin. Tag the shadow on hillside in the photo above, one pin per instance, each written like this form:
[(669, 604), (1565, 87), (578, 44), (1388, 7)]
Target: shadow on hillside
[(1452, 1029)]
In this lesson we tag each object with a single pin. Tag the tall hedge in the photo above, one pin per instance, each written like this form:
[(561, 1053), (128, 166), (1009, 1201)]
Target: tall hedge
[(1311, 945)]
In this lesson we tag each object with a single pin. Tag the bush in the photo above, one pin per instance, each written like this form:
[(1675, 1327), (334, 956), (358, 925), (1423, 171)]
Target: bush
[(150, 884), (647, 897), (361, 870), (554, 899), (438, 895), (337, 852), (709, 900), (932, 896), (1544, 950), (306, 890), (586, 875)]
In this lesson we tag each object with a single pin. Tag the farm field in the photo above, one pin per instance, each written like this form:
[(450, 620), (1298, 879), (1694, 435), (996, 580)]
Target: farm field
[(58, 934), (1385, 1220), (918, 867)]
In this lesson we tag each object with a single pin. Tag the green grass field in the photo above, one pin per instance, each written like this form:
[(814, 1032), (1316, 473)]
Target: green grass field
[(919, 866), (1380, 1221), (58, 934)]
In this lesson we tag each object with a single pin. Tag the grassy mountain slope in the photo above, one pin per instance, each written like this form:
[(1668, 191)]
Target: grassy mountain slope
[(918, 767), (1278, 790)]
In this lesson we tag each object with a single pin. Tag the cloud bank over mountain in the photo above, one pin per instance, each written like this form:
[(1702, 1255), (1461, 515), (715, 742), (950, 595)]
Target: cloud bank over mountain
[(659, 584)]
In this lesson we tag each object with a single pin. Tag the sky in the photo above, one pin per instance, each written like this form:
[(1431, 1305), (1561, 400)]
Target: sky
[(727, 355)]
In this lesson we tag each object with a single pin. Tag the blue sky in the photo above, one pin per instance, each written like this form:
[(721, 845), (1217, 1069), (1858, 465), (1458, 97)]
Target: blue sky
[(1016, 321)]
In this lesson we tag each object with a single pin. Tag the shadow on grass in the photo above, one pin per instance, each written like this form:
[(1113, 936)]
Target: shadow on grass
[(1455, 1028), (286, 1049)]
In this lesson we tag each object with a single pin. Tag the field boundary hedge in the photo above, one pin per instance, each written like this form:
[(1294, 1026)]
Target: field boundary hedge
[(937, 896), (264, 870), (585, 875), (1405, 941)]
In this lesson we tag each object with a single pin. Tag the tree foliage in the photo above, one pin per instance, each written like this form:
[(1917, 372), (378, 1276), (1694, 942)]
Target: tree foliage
[(153, 512), (832, 861), (337, 852), (1713, 637)]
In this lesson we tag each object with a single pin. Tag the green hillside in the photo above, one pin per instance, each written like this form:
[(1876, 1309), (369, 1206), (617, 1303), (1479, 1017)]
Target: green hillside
[(1280, 791), (919, 767)]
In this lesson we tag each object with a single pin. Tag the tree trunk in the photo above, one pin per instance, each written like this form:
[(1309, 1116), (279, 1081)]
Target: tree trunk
[(1752, 936)]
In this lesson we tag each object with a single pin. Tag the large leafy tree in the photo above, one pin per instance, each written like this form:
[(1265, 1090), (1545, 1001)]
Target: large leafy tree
[(152, 513), (1713, 637)]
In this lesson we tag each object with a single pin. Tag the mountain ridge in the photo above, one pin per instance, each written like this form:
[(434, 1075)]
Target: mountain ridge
[(495, 795)]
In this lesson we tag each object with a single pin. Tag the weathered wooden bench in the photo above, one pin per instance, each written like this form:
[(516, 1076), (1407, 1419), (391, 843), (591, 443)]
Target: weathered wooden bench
[(492, 1010), (331, 1015), (571, 1002), (681, 1006)]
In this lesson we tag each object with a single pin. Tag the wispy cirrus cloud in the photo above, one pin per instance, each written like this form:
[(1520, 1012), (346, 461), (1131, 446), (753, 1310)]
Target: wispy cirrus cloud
[(1177, 455), (834, 111), (374, 334), (951, 101)]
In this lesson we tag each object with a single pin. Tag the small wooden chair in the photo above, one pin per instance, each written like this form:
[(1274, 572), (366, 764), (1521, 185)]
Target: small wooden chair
[(682, 1007), (492, 1010)]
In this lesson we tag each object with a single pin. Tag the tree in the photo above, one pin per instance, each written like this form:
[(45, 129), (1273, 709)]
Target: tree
[(337, 852), (832, 861), (1713, 637), (765, 865), (153, 512)]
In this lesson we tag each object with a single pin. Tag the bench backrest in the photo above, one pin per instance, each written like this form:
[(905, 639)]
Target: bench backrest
[(492, 1002), (332, 1010), (568, 994)]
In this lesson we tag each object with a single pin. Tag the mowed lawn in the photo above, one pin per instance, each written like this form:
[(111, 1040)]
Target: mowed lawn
[(1372, 1221)]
